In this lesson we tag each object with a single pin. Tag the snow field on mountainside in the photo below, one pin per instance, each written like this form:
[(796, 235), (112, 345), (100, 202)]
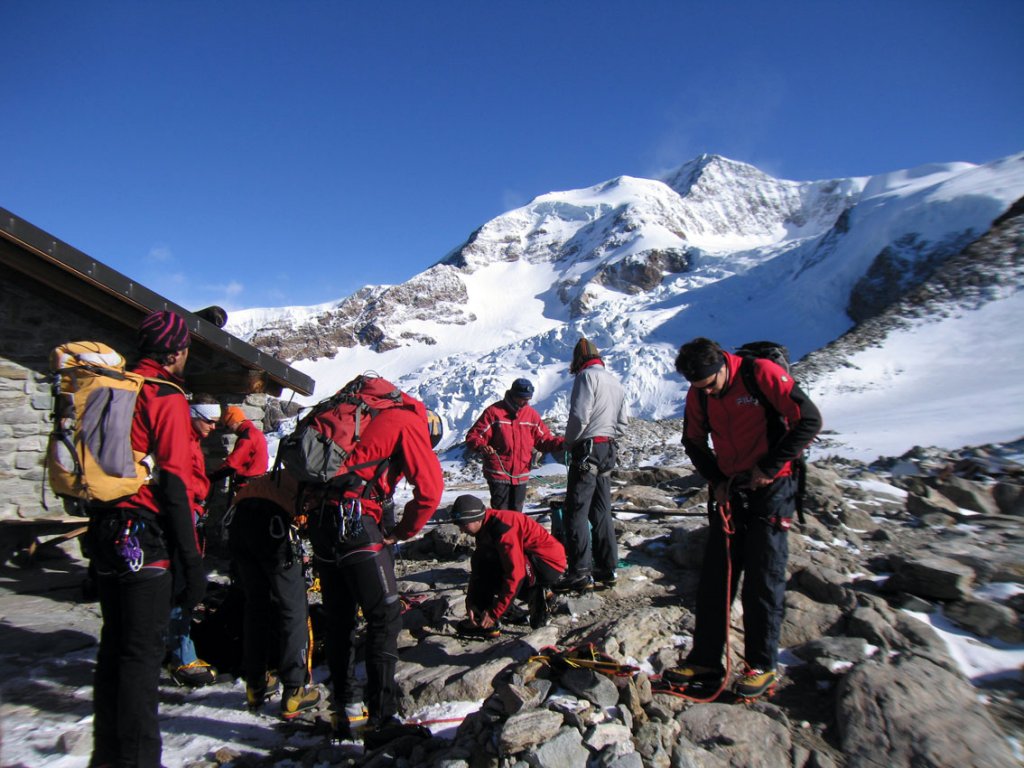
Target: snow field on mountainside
[(947, 383)]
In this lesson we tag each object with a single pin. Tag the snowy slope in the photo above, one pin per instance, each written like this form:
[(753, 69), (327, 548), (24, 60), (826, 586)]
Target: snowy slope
[(950, 382), (638, 266)]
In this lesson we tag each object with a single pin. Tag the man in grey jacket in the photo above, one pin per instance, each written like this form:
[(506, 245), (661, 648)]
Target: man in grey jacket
[(597, 417)]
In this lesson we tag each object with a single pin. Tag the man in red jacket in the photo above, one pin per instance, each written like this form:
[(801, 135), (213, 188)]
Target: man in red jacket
[(507, 433), (749, 470), (132, 545), (515, 556), (248, 458), (352, 544)]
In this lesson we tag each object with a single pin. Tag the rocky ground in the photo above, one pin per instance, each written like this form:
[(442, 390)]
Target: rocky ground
[(866, 682)]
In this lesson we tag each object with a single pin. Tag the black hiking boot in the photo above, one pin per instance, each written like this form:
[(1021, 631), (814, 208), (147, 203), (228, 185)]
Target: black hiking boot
[(194, 675), (573, 583), (605, 580), (350, 723), (539, 613), (392, 730), (255, 695), (516, 614)]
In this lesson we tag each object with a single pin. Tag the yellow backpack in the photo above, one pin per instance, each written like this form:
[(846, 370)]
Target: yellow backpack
[(89, 457)]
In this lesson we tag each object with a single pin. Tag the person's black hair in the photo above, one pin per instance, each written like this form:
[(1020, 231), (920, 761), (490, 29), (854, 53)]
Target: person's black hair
[(698, 356)]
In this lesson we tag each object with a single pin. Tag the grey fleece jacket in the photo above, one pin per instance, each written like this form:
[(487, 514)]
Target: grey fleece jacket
[(597, 408)]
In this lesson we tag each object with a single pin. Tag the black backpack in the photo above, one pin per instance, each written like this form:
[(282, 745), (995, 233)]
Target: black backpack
[(777, 426)]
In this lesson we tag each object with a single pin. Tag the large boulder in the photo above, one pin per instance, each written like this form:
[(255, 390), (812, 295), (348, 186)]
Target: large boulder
[(915, 714), (1009, 497), (741, 737), (806, 619), (985, 618), (528, 729), (968, 494), (931, 577)]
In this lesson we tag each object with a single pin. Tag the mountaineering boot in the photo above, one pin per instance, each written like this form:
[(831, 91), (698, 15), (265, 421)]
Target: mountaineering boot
[(573, 583), (466, 628), (195, 674), (605, 580), (515, 614), (392, 729), (538, 601), (295, 701), (350, 723), (693, 676), (255, 695), (756, 683)]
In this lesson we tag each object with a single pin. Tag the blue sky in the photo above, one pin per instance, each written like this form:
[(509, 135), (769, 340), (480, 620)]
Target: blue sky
[(276, 153)]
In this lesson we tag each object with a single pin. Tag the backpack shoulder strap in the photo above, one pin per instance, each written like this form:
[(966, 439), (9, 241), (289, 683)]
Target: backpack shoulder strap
[(167, 382), (773, 418), (750, 382)]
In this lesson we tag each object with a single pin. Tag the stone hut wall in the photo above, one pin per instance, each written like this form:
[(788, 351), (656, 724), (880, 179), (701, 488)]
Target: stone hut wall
[(34, 320)]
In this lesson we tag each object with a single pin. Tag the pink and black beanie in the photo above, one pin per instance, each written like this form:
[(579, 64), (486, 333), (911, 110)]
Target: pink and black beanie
[(162, 332)]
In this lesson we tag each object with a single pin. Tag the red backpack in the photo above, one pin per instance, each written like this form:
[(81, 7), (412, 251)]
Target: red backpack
[(323, 440)]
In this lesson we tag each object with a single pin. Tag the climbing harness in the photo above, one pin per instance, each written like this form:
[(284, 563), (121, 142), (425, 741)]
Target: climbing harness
[(127, 544)]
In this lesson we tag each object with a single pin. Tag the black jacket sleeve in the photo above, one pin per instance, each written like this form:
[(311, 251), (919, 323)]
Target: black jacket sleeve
[(181, 534), (700, 453)]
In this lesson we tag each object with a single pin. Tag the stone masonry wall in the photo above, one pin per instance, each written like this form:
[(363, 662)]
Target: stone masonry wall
[(34, 320)]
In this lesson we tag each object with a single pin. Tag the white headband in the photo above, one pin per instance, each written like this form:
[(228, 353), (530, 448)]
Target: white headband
[(205, 411)]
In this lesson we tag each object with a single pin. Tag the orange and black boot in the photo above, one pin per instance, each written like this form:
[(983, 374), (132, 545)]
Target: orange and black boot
[(295, 701), (756, 683)]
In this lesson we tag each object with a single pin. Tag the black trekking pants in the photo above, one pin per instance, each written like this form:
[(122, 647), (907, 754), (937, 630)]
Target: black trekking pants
[(759, 550), (507, 496), (269, 569), (126, 727), (588, 526), (136, 606), (364, 580)]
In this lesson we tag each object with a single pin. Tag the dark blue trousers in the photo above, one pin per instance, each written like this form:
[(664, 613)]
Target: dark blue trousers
[(759, 549)]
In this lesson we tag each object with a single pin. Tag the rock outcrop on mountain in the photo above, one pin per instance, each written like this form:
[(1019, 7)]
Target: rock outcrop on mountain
[(365, 318)]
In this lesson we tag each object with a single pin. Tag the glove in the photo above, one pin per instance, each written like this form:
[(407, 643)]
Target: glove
[(195, 586)]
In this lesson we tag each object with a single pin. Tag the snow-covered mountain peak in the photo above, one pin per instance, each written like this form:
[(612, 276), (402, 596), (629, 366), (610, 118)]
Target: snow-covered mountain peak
[(720, 249), (728, 204)]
